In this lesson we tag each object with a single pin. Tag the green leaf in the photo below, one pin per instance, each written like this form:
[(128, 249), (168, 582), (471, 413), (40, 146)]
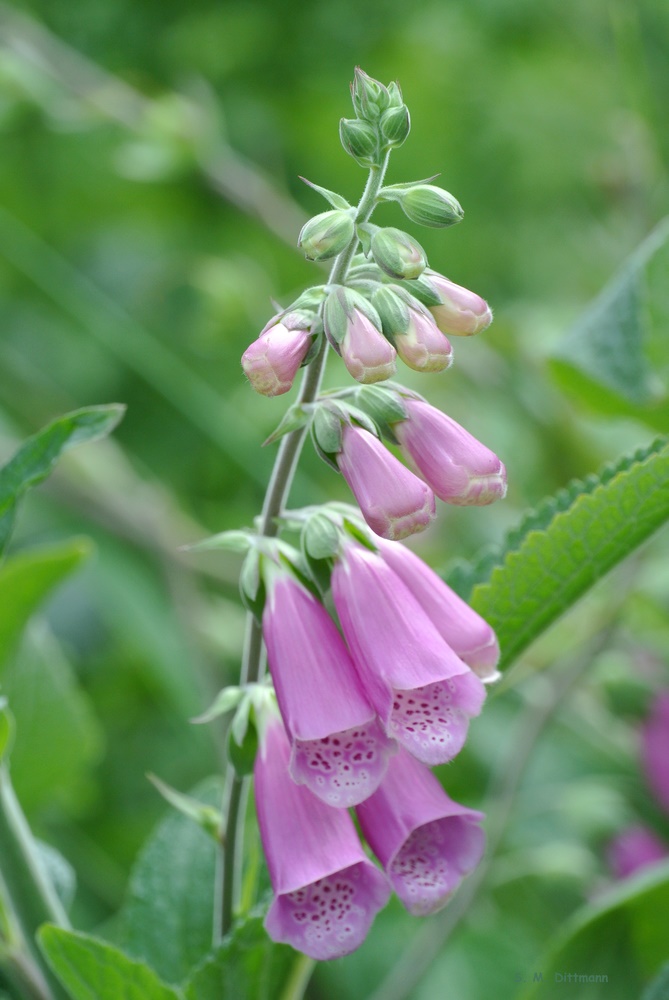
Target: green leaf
[(58, 738), (27, 578), (35, 459), (167, 917), (91, 969), (560, 553), (622, 936), (246, 966), (612, 354), (659, 988)]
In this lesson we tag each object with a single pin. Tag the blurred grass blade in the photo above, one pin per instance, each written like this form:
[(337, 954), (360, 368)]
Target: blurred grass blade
[(563, 552), (36, 458)]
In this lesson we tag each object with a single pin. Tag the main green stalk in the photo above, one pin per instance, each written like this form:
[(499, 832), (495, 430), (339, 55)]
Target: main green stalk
[(275, 500)]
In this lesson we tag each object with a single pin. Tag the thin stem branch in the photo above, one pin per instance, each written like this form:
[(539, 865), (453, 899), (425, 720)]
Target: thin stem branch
[(298, 980), (276, 496)]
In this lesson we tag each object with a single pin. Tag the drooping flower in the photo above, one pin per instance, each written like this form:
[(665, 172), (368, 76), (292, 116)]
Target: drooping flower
[(655, 749), (422, 346), (634, 849), (426, 842), (368, 355), (461, 313), (394, 502), (338, 747), (464, 630), (424, 694), (271, 362), (327, 892), (452, 462)]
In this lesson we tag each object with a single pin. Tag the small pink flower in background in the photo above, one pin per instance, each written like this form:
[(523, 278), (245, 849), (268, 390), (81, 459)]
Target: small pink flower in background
[(424, 694), (367, 354), (461, 312), (426, 842), (422, 346), (454, 464), (463, 629), (338, 747), (655, 748), (327, 892), (393, 501), (272, 361), (634, 849)]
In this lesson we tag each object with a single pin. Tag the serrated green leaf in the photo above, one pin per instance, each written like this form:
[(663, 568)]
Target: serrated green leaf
[(166, 919), (559, 554), (622, 937), (659, 988), (91, 969), (36, 457), (605, 357), (27, 578), (246, 966)]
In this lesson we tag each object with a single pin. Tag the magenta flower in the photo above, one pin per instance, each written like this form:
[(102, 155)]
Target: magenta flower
[(655, 749), (327, 892), (368, 356), (461, 312), (454, 464), (426, 842), (464, 630), (634, 849), (424, 694), (422, 346), (271, 362), (393, 501), (338, 747)]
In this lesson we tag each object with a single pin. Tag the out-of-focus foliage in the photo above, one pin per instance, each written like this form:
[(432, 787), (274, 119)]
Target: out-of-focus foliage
[(149, 209)]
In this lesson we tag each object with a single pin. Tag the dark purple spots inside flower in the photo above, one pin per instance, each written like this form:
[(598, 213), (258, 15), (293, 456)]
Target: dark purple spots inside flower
[(428, 721)]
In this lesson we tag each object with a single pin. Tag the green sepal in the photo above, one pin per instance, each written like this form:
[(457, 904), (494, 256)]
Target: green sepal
[(392, 309), (320, 537), (224, 702), (207, 817), (383, 406), (242, 754), (336, 200), (422, 290), (295, 417), (327, 429), (360, 533), (251, 585), (233, 541), (398, 254)]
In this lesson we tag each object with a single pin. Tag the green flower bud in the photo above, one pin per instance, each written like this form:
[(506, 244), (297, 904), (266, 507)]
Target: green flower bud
[(326, 235), (395, 125), (398, 254), (430, 206), (370, 98), (359, 140)]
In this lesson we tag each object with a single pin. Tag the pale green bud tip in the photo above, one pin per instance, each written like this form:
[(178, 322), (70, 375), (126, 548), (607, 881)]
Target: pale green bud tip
[(359, 140), (326, 235), (431, 206), (398, 254), (370, 98)]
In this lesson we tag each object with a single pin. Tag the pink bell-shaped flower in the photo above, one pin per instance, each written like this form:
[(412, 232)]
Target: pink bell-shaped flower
[(426, 842), (423, 692), (271, 362), (327, 891), (454, 464), (422, 346), (339, 749), (464, 630), (368, 356), (461, 312), (393, 501)]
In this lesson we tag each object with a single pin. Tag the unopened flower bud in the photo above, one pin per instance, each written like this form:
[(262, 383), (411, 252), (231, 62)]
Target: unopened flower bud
[(271, 362), (326, 235), (398, 254), (370, 98), (423, 346), (359, 140), (395, 125), (430, 206), (461, 312), (452, 462), (352, 326)]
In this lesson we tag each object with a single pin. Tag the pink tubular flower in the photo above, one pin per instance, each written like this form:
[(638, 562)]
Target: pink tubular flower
[(655, 749), (454, 464), (461, 312), (393, 501), (634, 849), (423, 693), (463, 629), (368, 356), (422, 346), (338, 747), (426, 842), (327, 892), (271, 362)]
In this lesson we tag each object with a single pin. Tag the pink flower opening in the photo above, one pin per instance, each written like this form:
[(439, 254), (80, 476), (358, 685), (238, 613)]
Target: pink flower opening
[(272, 361), (368, 355)]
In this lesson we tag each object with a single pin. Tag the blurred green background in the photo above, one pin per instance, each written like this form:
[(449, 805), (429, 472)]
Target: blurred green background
[(149, 206)]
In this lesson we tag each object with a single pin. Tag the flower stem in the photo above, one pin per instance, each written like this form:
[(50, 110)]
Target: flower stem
[(275, 498)]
